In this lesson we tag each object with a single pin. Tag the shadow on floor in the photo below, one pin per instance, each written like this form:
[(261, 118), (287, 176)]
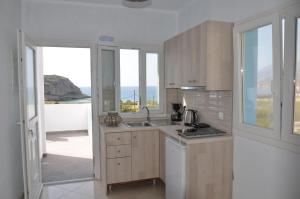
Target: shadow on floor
[(61, 168), (63, 136)]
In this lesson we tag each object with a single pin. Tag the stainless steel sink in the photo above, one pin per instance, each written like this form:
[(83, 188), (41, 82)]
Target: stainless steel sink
[(138, 124)]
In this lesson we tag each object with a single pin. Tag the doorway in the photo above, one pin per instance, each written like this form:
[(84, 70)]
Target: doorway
[(66, 139)]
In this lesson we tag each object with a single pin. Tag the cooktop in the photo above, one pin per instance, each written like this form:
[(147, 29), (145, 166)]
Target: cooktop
[(190, 133)]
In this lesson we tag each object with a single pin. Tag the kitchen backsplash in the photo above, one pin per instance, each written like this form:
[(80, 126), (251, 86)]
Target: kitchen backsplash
[(209, 105)]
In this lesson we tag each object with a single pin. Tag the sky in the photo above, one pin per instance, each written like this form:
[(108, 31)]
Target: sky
[(73, 63), (129, 68)]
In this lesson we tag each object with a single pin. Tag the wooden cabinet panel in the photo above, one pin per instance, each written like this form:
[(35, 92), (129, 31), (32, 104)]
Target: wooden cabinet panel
[(118, 138), (145, 155), (172, 64), (118, 170), (209, 170), (202, 55), (219, 58), (118, 151), (162, 154)]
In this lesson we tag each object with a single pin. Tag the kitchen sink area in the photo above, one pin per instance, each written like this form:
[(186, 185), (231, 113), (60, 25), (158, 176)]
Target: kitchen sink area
[(138, 124)]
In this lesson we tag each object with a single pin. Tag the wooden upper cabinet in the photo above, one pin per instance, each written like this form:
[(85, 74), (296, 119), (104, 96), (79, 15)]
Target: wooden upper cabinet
[(219, 55), (172, 63), (201, 56), (145, 155)]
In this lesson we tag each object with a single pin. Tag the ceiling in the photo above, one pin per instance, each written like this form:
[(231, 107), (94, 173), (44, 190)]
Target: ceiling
[(165, 5)]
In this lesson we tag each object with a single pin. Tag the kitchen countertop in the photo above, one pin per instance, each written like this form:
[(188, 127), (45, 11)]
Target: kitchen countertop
[(169, 130)]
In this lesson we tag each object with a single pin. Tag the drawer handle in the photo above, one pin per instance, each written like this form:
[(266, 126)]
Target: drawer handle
[(118, 138), (119, 151), (134, 137), (119, 163)]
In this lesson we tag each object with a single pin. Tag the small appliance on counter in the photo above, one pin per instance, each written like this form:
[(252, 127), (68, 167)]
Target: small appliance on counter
[(190, 117), (176, 115), (112, 119)]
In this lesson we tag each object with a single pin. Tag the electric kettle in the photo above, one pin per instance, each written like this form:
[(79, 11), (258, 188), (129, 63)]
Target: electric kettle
[(190, 117)]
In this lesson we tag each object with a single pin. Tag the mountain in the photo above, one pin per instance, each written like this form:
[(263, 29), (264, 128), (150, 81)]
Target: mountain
[(58, 88)]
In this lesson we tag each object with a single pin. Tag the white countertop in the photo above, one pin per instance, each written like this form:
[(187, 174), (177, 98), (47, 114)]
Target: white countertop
[(169, 130)]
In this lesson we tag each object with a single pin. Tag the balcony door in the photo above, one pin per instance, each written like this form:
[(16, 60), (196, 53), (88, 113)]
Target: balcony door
[(29, 118)]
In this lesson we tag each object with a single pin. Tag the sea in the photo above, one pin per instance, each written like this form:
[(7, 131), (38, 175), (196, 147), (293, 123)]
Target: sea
[(127, 93)]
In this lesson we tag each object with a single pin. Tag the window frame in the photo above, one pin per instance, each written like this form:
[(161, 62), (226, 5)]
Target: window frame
[(238, 77), (289, 73), (143, 49)]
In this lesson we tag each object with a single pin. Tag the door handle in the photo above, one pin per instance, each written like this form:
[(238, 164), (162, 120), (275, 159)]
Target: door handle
[(31, 132)]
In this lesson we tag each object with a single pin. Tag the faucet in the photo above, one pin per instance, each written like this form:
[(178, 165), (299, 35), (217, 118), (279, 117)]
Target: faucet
[(148, 113)]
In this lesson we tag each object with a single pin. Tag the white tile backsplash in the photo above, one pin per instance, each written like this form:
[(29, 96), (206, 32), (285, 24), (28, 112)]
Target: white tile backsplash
[(208, 104)]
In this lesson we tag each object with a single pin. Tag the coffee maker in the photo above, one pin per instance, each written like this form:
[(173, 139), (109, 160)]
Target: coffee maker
[(176, 115)]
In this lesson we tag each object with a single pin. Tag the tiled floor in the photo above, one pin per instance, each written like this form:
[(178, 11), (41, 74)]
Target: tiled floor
[(69, 156), (94, 190)]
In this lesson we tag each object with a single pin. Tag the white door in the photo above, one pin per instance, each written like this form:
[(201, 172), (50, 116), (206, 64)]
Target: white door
[(29, 117)]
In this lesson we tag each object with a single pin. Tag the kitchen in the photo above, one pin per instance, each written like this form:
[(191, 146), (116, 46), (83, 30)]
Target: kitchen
[(144, 149), (190, 99)]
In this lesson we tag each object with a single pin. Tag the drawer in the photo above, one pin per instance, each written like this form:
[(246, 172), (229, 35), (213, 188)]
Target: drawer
[(118, 170), (113, 139), (118, 151)]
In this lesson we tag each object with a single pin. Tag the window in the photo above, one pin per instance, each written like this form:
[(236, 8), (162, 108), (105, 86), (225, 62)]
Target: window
[(258, 77), (131, 79), (152, 80), (108, 79), (297, 83)]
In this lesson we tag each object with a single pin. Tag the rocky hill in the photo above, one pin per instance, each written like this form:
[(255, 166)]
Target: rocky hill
[(58, 88)]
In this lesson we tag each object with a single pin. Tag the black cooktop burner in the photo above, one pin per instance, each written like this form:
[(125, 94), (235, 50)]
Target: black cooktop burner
[(199, 132)]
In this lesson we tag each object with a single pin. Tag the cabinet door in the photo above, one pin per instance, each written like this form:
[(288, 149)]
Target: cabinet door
[(198, 69), (186, 58), (219, 56), (172, 75), (162, 161), (145, 155), (118, 170)]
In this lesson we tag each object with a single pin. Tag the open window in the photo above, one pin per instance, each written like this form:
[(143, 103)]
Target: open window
[(291, 78), (131, 78), (258, 77)]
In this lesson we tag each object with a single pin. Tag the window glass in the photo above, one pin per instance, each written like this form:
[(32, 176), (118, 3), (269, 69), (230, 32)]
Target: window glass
[(129, 80), (108, 80), (30, 83), (257, 77), (297, 84), (152, 80)]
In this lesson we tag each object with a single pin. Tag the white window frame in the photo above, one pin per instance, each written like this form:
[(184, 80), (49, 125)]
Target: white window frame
[(290, 15), (276, 85), (143, 49)]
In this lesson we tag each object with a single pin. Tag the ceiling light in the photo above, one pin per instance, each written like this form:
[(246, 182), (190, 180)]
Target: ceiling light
[(137, 3)]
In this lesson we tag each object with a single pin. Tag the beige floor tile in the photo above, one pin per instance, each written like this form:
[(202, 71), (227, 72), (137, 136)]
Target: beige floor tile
[(92, 190)]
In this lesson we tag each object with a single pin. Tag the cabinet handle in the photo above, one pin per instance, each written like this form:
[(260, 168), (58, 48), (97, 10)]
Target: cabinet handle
[(171, 84), (190, 81), (119, 163), (194, 81)]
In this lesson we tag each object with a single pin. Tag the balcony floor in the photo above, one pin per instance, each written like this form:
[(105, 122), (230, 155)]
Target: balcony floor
[(69, 156)]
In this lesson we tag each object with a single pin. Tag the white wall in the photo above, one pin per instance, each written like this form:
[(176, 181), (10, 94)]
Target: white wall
[(66, 117), (11, 179), (225, 10), (265, 172), (80, 22)]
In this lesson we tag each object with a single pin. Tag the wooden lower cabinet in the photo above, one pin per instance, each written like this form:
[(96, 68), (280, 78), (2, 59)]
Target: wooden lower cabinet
[(209, 170), (132, 156), (162, 158), (118, 170), (145, 155)]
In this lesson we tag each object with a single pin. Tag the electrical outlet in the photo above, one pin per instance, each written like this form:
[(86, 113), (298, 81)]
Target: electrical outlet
[(221, 116)]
